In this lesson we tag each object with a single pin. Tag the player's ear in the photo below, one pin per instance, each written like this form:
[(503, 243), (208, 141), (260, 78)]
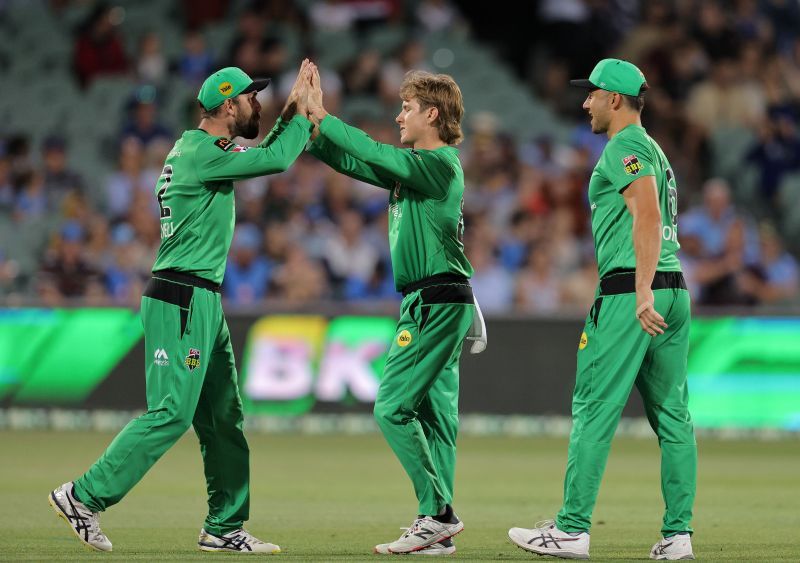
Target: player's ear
[(432, 115), (229, 103)]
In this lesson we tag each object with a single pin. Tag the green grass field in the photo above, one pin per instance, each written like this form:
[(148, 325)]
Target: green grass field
[(328, 498)]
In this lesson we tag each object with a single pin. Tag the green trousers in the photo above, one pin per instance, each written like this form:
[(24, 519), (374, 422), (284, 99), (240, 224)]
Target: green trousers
[(614, 355), (417, 403), (191, 381)]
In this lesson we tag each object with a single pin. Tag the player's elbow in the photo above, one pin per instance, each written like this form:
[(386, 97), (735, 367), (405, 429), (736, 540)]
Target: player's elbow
[(281, 165), (648, 217)]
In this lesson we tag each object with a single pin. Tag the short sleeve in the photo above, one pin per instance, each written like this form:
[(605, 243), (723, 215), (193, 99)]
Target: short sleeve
[(625, 161)]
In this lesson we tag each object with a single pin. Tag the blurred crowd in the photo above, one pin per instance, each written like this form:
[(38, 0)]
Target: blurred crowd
[(311, 234)]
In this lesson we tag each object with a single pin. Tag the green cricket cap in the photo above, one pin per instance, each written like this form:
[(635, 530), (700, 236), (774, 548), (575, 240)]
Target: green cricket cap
[(614, 75), (227, 83)]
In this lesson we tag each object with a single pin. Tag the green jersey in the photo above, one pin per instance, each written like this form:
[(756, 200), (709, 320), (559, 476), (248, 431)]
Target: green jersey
[(195, 193), (631, 154), (426, 198)]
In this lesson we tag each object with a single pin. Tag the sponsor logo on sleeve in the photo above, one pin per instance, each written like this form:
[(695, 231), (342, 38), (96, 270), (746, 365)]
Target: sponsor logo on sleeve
[(631, 164), (583, 342), (224, 144)]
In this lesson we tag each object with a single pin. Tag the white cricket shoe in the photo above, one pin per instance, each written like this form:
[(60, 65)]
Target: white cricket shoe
[(424, 532), (238, 541), (673, 548), (444, 547), (83, 522), (547, 539)]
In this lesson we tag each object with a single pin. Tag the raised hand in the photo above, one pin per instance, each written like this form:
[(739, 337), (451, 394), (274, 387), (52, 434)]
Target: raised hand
[(298, 92), (316, 109), (303, 89)]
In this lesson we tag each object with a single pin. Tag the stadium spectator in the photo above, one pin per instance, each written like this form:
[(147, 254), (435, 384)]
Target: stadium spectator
[(130, 177), (246, 45), (537, 285), (362, 75), (492, 284), (300, 280), (437, 15), (248, 271), (9, 274), (197, 61), (713, 221), (98, 47), (151, 64), (65, 272), (143, 123), (58, 178), (775, 278), (343, 15), (18, 151), (32, 203), (775, 153), (7, 190), (348, 255), (725, 100), (124, 276), (410, 56), (197, 14)]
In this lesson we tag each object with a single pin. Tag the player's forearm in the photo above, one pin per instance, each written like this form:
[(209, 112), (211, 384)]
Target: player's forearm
[(344, 163), (647, 247), (392, 162), (258, 161), (285, 148), (277, 129), (351, 140)]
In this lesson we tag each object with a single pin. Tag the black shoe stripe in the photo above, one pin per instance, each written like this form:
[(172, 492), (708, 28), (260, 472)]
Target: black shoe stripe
[(76, 519)]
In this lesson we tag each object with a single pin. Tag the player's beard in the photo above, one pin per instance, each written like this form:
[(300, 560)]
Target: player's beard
[(247, 128), (597, 127)]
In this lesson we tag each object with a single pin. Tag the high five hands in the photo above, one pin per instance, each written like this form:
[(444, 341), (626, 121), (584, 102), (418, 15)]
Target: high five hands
[(305, 97), (297, 102), (315, 109)]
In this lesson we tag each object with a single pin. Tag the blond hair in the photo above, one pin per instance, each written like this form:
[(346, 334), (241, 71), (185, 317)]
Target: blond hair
[(439, 91)]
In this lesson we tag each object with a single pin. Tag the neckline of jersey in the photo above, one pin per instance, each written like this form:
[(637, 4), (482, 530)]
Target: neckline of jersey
[(634, 125)]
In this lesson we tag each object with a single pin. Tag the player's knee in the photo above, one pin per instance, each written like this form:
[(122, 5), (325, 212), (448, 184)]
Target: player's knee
[(176, 420), (386, 414)]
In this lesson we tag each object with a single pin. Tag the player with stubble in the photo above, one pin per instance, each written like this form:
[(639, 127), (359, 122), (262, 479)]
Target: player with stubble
[(637, 332), (416, 406), (191, 377)]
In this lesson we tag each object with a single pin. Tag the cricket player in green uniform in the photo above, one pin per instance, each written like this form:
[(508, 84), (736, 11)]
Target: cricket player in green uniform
[(417, 402), (190, 373), (637, 332)]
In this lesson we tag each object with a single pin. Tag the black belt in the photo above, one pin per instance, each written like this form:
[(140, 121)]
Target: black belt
[(186, 279), (437, 279), (624, 281)]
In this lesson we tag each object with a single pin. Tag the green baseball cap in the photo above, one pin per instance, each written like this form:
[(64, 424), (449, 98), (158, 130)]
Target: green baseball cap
[(614, 75), (227, 83)]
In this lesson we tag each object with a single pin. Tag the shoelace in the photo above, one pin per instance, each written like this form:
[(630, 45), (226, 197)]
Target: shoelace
[(661, 548), (85, 520), (414, 528), (243, 535), (96, 533), (544, 524)]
